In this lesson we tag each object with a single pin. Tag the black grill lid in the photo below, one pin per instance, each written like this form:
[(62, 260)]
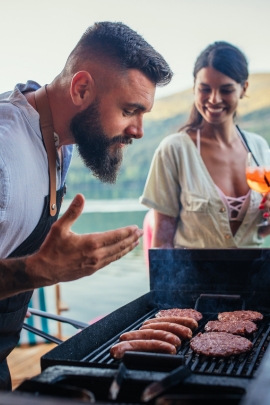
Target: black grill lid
[(212, 270)]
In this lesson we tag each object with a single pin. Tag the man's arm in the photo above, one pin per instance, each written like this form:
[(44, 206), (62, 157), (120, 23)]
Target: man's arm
[(164, 230), (65, 255)]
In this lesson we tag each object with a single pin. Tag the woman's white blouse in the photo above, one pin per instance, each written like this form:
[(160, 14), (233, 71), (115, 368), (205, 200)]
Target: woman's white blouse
[(179, 185)]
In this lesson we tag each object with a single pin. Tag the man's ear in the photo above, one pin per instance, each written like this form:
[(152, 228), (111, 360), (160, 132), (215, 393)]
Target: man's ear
[(82, 89)]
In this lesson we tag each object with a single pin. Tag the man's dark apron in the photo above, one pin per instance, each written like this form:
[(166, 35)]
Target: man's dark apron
[(13, 309)]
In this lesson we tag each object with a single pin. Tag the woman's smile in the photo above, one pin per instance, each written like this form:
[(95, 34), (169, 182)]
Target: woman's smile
[(216, 95), (214, 110)]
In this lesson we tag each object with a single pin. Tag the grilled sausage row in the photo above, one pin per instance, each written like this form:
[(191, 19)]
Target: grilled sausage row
[(159, 335)]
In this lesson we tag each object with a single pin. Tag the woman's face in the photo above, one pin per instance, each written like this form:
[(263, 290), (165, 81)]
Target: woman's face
[(217, 95)]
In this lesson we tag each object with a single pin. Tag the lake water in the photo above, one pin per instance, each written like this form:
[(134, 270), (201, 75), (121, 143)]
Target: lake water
[(113, 286)]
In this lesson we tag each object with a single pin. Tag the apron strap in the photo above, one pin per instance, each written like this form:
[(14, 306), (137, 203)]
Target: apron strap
[(46, 125)]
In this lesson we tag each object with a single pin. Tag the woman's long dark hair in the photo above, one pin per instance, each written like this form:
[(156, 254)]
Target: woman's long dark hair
[(225, 58)]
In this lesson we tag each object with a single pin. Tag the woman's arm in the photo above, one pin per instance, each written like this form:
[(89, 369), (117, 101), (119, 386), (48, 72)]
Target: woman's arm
[(164, 230)]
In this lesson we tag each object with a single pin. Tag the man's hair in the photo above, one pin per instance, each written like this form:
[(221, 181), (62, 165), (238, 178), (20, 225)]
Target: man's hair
[(123, 48)]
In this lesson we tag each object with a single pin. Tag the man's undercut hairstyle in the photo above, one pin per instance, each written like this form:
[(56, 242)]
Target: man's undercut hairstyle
[(119, 45)]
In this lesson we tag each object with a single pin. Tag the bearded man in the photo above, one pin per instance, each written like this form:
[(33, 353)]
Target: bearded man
[(97, 102)]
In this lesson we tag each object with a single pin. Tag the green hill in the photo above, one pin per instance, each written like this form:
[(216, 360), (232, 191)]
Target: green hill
[(168, 114)]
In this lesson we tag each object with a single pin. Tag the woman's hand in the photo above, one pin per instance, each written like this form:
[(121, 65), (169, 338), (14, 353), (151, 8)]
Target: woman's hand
[(265, 205)]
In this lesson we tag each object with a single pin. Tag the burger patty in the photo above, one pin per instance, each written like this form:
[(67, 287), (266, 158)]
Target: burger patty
[(240, 316), (191, 313), (220, 344), (234, 327)]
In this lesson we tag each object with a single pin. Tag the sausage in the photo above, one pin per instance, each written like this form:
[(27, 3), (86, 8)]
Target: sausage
[(157, 346), (180, 320), (148, 334), (179, 330)]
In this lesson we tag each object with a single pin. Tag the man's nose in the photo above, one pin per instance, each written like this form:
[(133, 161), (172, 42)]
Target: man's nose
[(135, 130), (215, 97)]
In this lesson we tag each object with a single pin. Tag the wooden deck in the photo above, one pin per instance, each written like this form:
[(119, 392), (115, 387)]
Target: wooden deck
[(24, 362)]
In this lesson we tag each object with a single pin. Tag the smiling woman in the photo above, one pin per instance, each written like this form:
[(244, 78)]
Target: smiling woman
[(217, 95), (197, 184)]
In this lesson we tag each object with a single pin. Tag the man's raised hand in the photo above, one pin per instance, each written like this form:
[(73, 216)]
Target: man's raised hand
[(66, 256)]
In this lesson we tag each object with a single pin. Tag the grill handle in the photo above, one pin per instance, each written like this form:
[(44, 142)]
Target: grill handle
[(44, 335), (38, 312), (217, 296), (76, 324)]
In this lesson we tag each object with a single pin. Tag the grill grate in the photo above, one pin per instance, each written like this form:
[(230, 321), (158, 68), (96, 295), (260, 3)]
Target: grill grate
[(102, 354), (243, 365)]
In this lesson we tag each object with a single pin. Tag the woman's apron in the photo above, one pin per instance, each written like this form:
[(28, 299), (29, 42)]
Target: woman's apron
[(13, 309)]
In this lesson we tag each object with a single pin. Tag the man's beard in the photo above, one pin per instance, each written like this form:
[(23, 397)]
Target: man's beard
[(94, 145)]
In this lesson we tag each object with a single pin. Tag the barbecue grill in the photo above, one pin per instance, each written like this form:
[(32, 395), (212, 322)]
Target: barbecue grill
[(210, 281)]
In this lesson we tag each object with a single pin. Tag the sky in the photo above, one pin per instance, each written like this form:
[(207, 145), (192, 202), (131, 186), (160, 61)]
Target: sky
[(38, 35)]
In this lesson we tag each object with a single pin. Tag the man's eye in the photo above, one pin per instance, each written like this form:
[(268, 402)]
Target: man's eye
[(127, 112)]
